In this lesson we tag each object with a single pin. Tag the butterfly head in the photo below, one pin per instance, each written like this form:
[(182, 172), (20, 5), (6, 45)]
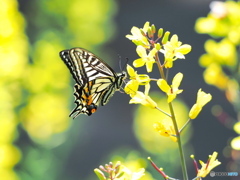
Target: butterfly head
[(120, 78)]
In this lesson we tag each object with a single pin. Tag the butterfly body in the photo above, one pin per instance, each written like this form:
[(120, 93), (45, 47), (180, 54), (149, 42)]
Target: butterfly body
[(95, 80)]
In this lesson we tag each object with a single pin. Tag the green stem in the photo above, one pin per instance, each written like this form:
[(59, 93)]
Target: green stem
[(183, 163), (160, 67), (163, 112), (188, 121)]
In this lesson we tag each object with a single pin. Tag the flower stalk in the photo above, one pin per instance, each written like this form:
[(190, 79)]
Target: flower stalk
[(148, 48), (179, 141)]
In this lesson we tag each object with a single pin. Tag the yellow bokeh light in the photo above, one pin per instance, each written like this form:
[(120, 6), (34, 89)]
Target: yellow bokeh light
[(45, 115), (9, 155), (8, 174), (235, 143)]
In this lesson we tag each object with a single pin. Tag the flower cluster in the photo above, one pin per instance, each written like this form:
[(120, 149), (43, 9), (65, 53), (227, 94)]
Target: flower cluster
[(148, 49), (150, 44), (221, 60), (117, 172), (222, 22), (211, 163)]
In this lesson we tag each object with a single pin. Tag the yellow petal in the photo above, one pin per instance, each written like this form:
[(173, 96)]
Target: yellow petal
[(143, 79), (140, 98), (165, 128), (146, 26), (171, 97), (152, 52), (141, 51), (137, 98), (149, 65), (174, 39), (168, 63), (195, 110), (131, 87), (206, 168), (130, 70), (163, 85), (136, 34), (177, 80), (147, 88), (203, 98), (184, 49), (150, 103), (138, 62)]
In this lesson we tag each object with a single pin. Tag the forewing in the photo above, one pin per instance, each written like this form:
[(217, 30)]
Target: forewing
[(92, 65), (75, 67)]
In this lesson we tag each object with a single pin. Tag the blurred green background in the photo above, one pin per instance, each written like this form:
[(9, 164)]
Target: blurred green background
[(37, 138)]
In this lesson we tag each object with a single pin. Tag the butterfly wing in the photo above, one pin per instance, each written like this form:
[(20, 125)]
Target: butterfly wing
[(85, 104), (96, 82), (85, 66)]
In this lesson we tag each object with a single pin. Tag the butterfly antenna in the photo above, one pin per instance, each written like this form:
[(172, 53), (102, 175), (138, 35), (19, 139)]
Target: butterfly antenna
[(120, 63), (125, 65)]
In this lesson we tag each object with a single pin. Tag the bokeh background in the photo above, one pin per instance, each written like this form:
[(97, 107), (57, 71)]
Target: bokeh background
[(37, 138)]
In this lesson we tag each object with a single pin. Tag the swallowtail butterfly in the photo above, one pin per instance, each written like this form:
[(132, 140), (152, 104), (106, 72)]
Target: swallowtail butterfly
[(96, 81)]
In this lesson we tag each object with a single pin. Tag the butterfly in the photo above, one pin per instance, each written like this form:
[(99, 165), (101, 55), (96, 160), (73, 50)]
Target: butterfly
[(96, 81)]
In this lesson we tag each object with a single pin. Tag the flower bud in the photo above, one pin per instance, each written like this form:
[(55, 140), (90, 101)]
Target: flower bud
[(153, 28), (158, 46), (165, 37), (99, 174), (160, 32), (149, 31)]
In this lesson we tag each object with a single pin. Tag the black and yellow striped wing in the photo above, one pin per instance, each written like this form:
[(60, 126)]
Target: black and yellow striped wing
[(95, 80)]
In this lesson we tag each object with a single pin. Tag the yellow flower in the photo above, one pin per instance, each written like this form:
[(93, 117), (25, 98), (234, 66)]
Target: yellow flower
[(137, 37), (142, 79), (231, 94), (172, 90), (214, 75), (223, 52), (143, 98), (165, 128), (206, 168), (202, 99), (147, 59), (118, 172), (145, 27), (129, 175), (131, 88), (222, 21), (174, 50), (136, 80)]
